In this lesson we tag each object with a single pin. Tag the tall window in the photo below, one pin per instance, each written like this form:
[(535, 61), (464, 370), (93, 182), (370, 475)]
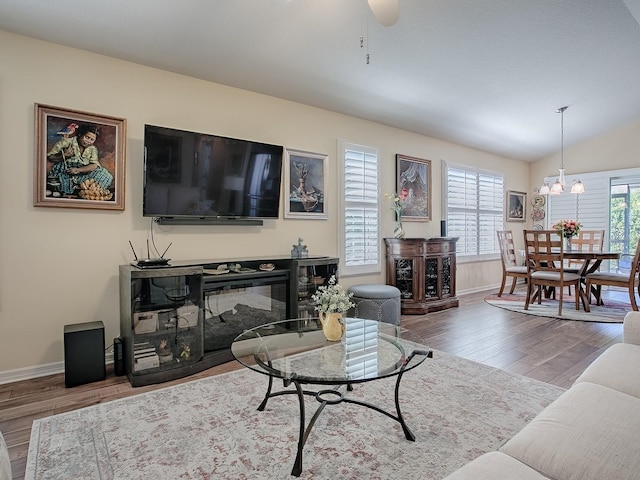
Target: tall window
[(475, 210), (360, 228)]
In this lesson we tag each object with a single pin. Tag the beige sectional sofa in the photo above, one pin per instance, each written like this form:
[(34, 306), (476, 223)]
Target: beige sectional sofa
[(5, 461), (592, 431)]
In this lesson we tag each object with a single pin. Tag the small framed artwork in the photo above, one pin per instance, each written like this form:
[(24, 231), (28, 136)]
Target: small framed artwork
[(79, 159), (516, 206), (414, 187), (306, 176)]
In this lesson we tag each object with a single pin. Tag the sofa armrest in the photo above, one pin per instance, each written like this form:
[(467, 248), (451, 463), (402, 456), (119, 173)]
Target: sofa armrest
[(632, 328)]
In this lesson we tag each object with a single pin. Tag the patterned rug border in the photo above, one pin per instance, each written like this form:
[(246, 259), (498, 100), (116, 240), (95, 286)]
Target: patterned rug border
[(457, 408), (613, 312)]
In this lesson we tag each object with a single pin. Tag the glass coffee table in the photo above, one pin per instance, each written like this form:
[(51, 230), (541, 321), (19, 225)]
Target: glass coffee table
[(297, 352)]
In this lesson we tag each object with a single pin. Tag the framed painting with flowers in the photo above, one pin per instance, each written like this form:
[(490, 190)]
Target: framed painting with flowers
[(414, 187), (79, 159)]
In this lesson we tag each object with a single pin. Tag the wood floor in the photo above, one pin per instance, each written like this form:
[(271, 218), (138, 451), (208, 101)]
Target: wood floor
[(550, 350)]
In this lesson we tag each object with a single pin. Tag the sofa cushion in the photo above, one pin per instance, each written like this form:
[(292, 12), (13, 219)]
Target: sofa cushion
[(495, 466), (589, 432), (631, 327), (5, 461), (616, 368)]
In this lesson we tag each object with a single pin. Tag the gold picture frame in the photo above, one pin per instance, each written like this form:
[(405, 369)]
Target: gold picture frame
[(79, 159), (414, 187)]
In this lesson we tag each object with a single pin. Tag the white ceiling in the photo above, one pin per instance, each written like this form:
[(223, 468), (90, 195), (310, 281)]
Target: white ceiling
[(484, 73)]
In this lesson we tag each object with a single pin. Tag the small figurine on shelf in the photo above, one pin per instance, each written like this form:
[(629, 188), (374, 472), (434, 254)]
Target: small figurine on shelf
[(299, 250), (164, 354), (186, 352)]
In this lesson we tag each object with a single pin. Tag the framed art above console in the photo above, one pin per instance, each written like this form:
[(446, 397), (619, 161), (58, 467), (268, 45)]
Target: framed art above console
[(79, 159)]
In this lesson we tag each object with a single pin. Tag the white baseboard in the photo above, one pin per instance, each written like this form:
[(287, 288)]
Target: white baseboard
[(28, 373)]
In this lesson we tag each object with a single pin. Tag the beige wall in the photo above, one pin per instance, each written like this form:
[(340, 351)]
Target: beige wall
[(59, 265)]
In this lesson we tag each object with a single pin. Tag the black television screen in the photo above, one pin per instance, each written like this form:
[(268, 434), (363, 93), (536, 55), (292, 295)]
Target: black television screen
[(189, 174)]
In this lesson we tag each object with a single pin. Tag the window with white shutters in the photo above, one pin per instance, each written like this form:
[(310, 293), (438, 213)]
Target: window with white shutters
[(360, 229), (474, 203), (591, 208)]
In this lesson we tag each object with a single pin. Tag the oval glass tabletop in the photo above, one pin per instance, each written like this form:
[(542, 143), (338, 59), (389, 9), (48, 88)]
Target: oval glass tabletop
[(297, 349)]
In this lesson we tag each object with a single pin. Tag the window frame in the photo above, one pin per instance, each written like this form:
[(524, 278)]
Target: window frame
[(498, 214), (364, 268)]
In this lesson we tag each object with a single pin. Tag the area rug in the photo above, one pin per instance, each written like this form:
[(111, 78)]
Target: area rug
[(613, 312), (210, 429)]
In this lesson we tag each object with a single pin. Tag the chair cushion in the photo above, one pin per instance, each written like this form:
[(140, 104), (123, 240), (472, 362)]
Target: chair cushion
[(522, 270), (590, 432), (609, 277), (616, 368), (554, 276)]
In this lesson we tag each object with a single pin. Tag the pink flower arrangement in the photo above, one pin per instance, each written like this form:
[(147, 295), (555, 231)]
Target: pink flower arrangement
[(567, 228), (398, 201)]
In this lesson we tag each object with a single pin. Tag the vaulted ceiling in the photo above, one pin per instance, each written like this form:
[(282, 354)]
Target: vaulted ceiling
[(488, 74)]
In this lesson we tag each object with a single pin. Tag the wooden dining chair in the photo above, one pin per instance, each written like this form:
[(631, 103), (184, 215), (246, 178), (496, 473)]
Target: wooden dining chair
[(629, 280), (545, 267), (585, 241), (510, 267)]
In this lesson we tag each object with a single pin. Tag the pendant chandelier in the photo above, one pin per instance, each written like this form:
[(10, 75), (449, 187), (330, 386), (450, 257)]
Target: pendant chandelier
[(558, 186)]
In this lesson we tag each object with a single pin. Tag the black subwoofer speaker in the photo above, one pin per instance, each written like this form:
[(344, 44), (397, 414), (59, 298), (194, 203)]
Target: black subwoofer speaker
[(84, 353)]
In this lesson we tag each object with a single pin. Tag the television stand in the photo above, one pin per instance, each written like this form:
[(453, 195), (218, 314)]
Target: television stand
[(180, 319)]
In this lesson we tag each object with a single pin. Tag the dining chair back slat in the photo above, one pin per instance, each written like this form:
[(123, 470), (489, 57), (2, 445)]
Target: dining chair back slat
[(586, 241)]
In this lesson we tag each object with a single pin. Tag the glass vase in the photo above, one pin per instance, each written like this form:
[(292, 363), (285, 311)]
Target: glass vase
[(567, 246), (398, 231)]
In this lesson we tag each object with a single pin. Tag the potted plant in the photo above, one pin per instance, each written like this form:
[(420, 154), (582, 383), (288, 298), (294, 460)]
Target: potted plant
[(331, 302)]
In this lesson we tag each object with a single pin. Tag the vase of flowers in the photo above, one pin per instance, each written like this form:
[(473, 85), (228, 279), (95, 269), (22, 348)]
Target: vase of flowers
[(397, 204), (332, 301), (567, 229)]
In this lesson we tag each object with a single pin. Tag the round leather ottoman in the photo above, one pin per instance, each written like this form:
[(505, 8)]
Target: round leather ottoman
[(376, 302)]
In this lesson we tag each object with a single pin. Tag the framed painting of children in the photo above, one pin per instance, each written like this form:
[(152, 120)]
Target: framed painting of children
[(79, 159)]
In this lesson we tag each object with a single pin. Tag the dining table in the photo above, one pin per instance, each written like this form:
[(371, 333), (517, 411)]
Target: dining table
[(591, 262)]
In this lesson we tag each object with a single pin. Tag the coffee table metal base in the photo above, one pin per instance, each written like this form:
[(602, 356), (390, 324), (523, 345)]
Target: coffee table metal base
[(333, 396)]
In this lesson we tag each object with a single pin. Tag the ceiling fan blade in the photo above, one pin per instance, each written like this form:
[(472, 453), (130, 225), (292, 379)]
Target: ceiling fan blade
[(386, 11)]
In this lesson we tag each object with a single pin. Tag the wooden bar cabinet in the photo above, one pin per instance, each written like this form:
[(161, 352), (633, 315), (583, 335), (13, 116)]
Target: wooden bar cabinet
[(424, 270)]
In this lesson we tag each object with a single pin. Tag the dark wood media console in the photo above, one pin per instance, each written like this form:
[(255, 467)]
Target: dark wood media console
[(180, 319)]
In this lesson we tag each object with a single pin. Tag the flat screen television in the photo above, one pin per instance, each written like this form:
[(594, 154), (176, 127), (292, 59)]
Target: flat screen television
[(196, 175)]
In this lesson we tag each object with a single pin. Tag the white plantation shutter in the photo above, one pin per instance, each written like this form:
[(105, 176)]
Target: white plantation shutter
[(590, 208), (474, 209), (361, 209), (361, 345)]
